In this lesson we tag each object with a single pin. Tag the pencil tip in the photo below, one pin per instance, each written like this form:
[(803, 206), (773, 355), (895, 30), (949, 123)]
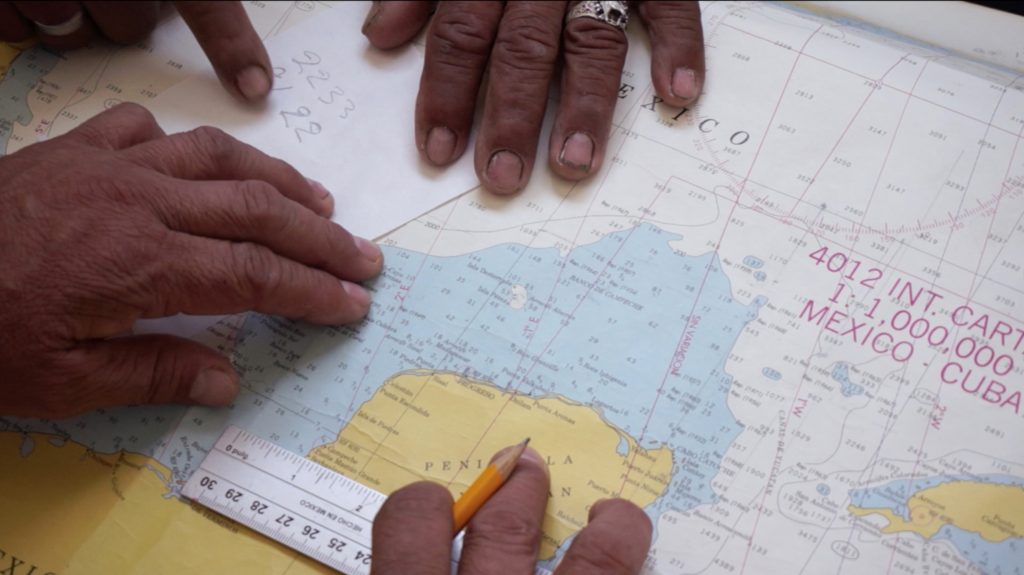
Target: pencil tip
[(507, 461)]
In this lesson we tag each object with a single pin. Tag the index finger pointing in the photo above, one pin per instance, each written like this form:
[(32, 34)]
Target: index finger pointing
[(232, 45), (412, 532)]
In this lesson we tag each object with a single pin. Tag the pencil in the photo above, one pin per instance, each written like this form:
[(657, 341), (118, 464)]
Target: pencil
[(485, 485)]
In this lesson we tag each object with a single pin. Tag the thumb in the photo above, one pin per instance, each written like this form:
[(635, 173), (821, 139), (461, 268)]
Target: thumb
[(234, 48), (149, 369)]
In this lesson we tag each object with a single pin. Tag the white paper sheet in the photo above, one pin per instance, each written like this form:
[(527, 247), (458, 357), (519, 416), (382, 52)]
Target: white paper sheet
[(363, 150), (342, 113)]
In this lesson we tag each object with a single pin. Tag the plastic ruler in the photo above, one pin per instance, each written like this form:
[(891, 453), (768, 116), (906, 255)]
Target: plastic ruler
[(293, 500)]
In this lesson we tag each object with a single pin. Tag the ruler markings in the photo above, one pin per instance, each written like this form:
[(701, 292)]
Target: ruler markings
[(297, 502)]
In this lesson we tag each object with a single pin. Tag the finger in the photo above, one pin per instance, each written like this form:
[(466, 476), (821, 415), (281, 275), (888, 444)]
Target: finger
[(522, 62), (210, 154), (204, 276), (232, 45), (120, 127), (60, 14), (254, 211), (412, 532), (124, 22), (595, 52), (13, 26), (390, 24), (458, 46), (677, 49), (614, 542), (504, 536), (139, 370)]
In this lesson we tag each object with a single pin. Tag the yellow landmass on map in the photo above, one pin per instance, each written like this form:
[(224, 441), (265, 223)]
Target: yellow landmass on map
[(70, 511), (8, 52), (443, 427), (994, 511)]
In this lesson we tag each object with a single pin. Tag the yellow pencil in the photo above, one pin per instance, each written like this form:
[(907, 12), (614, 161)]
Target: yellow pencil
[(484, 487)]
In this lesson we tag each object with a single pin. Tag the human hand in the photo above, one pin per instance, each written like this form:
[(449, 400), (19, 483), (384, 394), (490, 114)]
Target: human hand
[(412, 533), (518, 43), (222, 29), (116, 221)]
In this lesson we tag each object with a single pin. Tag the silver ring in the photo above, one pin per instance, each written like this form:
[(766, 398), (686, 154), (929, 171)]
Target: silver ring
[(611, 12), (65, 28)]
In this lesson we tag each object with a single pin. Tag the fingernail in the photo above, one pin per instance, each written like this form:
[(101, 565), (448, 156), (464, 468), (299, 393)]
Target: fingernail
[(371, 16), (577, 152), (684, 84), (322, 194), (530, 454), (357, 294), (253, 83), (504, 170), (213, 387), (369, 249), (440, 145)]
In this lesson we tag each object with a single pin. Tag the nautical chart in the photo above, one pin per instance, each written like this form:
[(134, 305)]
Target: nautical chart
[(789, 323)]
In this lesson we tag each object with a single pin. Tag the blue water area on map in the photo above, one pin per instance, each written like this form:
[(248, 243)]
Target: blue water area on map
[(753, 262), (771, 373), (841, 373), (615, 324), (25, 72), (1003, 558), (626, 324), (823, 489)]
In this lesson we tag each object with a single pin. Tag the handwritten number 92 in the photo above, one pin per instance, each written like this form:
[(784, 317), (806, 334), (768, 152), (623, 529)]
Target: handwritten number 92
[(313, 128)]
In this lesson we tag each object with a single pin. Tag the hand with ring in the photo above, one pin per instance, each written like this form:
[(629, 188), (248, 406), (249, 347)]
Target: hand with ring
[(521, 45), (222, 29)]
